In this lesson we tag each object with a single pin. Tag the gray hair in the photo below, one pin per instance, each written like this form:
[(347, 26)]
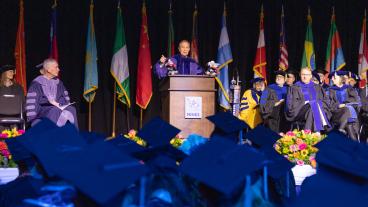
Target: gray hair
[(47, 62)]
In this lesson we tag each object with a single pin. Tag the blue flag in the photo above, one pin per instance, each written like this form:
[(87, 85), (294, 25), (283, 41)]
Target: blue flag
[(91, 74), (224, 57)]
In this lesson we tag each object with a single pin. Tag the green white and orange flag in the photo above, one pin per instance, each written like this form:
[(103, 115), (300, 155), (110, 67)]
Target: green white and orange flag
[(119, 64)]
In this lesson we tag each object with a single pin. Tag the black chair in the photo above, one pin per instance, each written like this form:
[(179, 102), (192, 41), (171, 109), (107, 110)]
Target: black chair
[(11, 110)]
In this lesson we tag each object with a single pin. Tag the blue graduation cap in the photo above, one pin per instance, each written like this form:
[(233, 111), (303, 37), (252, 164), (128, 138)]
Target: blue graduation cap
[(262, 136), (157, 132), (264, 139), (341, 153), (338, 73), (100, 177), (125, 145), (19, 147), (227, 126), (222, 164), (42, 145)]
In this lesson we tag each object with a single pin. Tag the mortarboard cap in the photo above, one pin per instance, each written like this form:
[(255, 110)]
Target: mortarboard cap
[(264, 139), (338, 73), (63, 138), (322, 71), (339, 152), (99, 177), (280, 72), (316, 76), (354, 76), (222, 164), (291, 71), (255, 80), (227, 125), (262, 136), (125, 145), (20, 147), (329, 188), (157, 132), (227, 122), (6, 68)]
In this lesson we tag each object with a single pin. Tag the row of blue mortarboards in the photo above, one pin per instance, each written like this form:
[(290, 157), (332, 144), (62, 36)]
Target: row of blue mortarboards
[(105, 172)]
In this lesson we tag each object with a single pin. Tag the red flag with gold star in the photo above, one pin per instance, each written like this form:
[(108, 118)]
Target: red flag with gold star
[(144, 74)]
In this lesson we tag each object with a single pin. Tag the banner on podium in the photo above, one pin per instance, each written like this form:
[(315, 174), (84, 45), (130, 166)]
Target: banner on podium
[(193, 107)]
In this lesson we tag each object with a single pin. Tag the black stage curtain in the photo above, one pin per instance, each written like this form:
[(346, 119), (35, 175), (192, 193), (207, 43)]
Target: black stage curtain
[(243, 28)]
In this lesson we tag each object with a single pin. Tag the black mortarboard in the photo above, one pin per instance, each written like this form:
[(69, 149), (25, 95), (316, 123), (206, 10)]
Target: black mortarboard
[(316, 76), (6, 68), (280, 72), (322, 71), (157, 132), (255, 80), (99, 177), (291, 71), (222, 164)]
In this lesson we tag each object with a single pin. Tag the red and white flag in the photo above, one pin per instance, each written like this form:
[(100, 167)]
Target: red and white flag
[(363, 55)]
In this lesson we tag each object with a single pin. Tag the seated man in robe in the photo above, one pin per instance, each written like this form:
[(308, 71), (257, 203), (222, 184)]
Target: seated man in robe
[(181, 62), (344, 104), (249, 104), (308, 103), (47, 97), (272, 104)]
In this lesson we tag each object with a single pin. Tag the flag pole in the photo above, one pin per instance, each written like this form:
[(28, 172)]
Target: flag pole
[(89, 114), (141, 119), (114, 113), (127, 117)]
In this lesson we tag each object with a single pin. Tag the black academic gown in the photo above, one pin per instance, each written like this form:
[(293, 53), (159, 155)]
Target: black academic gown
[(271, 114), (298, 110), (341, 117)]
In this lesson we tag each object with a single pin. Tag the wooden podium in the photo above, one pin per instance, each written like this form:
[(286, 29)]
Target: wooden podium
[(186, 102)]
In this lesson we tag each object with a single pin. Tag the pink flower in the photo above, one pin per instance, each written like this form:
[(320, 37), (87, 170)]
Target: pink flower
[(312, 158), (293, 148), (290, 133), (21, 131), (300, 162), (307, 131), (132, 133), (281, 134), (3, 135), (302, 146)]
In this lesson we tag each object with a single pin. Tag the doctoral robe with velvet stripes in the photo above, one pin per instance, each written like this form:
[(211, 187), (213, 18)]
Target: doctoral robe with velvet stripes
[(40, 93)]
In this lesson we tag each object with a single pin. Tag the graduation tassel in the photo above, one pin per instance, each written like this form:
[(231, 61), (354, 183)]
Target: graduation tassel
[(142, 191), (247, 192), (265, 182)]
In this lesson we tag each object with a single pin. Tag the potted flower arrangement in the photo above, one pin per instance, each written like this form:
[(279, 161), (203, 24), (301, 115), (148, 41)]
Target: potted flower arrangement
[(8, 168), (298, 147)]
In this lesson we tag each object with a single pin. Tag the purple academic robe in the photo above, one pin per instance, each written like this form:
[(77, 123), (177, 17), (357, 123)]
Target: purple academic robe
[(184, 65), (38, 106)]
